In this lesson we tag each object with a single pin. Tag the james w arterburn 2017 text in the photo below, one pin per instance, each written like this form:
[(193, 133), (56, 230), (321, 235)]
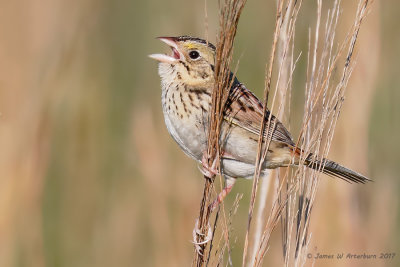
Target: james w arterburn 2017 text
[(362, 256)]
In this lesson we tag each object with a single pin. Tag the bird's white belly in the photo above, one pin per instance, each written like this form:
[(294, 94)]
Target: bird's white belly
[(237, 169), (190, 137)]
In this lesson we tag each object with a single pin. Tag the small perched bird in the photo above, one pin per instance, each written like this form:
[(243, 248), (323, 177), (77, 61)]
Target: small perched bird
[(187, 81)]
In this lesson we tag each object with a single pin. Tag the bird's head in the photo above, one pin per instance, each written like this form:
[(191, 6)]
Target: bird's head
[(191, 61)]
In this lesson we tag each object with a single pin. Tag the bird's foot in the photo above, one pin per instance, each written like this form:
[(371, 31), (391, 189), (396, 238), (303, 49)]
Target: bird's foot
[(197, 233), (206, 169)]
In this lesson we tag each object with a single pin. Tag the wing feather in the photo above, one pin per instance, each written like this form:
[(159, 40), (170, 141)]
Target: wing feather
[(244, 110)]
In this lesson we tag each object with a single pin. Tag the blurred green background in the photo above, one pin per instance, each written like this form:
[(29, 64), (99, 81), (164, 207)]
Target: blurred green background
[(88, 173)]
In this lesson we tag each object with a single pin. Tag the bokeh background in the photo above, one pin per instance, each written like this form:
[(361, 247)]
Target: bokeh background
[(88, 173)]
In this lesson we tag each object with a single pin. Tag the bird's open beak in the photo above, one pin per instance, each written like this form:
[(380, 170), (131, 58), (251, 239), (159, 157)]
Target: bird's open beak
[(174, 57)]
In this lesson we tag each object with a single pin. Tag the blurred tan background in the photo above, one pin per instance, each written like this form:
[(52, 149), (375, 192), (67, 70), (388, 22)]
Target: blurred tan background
[(88, 173)]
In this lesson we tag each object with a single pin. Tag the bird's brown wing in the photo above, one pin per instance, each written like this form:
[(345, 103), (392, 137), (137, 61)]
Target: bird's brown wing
[(244, 110)]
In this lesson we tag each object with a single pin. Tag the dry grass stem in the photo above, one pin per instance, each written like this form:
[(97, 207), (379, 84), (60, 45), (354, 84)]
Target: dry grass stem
[(230, 11), (284, 30), (324, 99)]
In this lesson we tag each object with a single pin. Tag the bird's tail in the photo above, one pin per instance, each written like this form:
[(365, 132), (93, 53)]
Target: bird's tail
[(334, 169)]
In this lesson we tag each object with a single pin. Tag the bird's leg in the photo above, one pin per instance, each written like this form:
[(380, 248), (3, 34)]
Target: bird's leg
[(229, 182), (207, 170)]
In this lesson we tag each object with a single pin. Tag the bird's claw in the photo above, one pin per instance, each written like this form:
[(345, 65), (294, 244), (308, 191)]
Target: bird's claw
[(197, 232), (206, 169)]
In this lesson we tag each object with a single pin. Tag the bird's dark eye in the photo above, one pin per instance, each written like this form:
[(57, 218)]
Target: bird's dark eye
[(194, 54)]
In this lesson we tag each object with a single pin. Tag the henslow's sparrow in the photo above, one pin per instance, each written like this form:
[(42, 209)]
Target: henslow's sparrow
[(187, 81)]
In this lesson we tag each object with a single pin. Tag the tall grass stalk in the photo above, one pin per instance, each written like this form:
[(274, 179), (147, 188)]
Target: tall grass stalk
[(230, 11), (324, 98)]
